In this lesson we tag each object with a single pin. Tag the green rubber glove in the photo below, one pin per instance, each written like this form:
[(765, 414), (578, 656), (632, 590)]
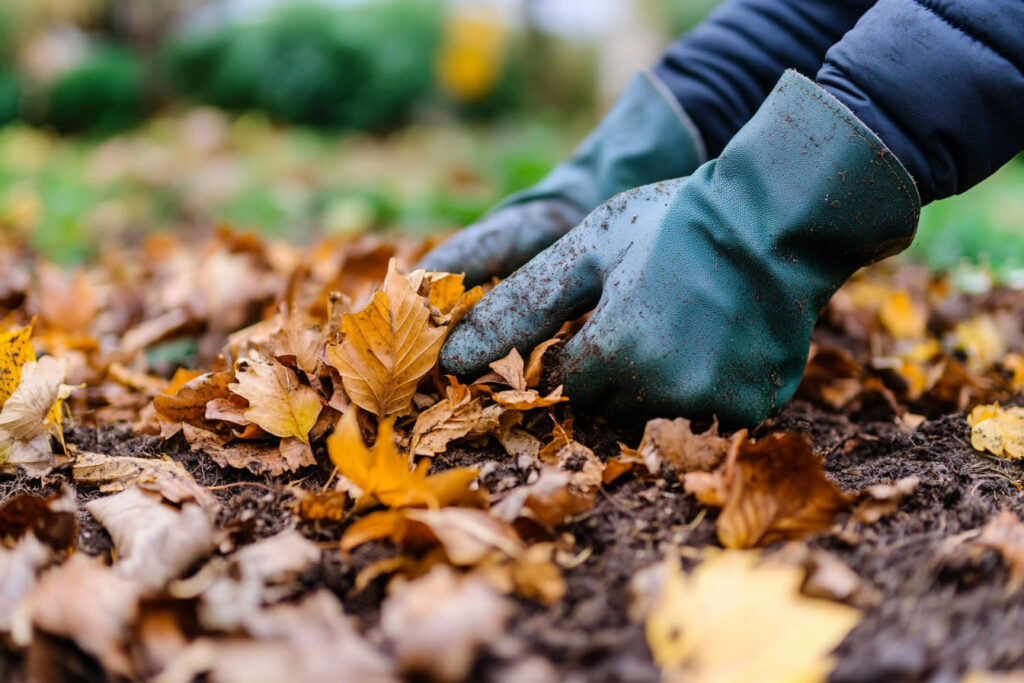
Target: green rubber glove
[(706, 288), (646, 136)]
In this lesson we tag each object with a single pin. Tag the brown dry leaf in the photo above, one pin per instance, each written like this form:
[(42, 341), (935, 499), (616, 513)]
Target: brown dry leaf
[(1000, 431), (18, 569), (51, 520), (278, 402), (155, 542), (832, 377), (442, 613), (186, 403), (15, 351), (35, 404), (881, 500), (86, 602), (259, 457), (383, 474), (548, 502), (311, 640), (674, 441), (112, 473), (528, 399), (773, 488), (1004, 533), (466, 534), (388, 347), (510, 370), (255, 575), (299, 340), (735, 618), (449, 419)]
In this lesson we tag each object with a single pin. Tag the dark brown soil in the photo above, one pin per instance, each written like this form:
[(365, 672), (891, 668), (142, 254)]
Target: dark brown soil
[(940, 611)]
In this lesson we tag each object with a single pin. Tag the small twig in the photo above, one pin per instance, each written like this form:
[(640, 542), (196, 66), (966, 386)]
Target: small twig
[(221, 487)]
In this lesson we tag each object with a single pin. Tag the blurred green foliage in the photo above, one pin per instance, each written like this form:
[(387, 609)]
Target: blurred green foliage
[(364, 68), (982, 227), (10, 97), (102, 95)]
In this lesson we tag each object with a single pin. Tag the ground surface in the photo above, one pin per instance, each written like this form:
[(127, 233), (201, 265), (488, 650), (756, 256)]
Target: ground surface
[(933, 608)]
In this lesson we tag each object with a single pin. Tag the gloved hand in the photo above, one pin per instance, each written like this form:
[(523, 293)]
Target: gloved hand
[(706, 288), (644, 137)]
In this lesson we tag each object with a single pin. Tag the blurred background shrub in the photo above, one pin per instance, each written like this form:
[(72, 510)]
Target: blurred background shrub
[(300, 118)]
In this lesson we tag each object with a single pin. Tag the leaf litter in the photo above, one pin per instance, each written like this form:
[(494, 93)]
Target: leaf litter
[(303, 494)]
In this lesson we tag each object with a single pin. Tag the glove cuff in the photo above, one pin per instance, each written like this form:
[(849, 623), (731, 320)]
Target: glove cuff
[(645, 137)]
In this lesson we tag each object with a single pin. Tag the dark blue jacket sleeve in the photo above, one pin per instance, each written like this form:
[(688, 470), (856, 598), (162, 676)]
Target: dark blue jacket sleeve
[(942, 84), (723, 69)]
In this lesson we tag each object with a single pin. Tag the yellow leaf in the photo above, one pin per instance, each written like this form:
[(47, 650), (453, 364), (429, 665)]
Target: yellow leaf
[(1000, 431), (383, 474), (901, 317), (278, 402), (446, 290), (388, 347), (733, 619), (15, 351), (981, 339)]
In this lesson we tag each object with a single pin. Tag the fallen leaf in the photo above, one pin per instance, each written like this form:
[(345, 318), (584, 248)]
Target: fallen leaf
[(773, 488), (187, 403), (155, 542), (15, 351), (311, 640), (1000, 431), (1004, 533), (674, 441), (528, 399), (255, 575), (111, 473), (86, 602), (446, 289), (35, 457), (383, 475), (467, 535), (259, 457), (278, 402), (881, 500), (510, 370), (442, 613), (548, 502), (388, 347), (901, 317), (299, 340), (535, 364), (35, 403), (736, 619), (449, 419)]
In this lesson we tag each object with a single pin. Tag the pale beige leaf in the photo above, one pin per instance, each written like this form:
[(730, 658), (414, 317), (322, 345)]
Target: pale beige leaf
[(111, 473), (24, 415), (88, 603), (442, 613), (388, 347), (733, 619), (510, 369), (278, 402), (155, 542)]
